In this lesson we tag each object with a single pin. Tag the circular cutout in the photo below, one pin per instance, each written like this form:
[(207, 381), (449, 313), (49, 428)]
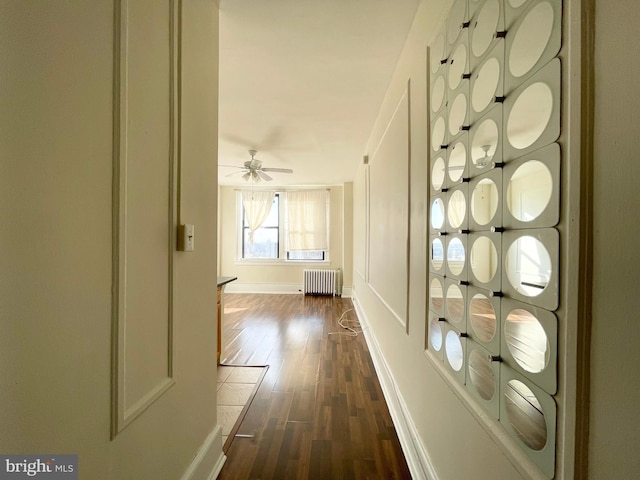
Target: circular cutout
[(437, 214), (530, 39), (457, 209), (481, 374), (435, 293), (455, 256), (485, 85), (437, 53), (435, 334), (529, 190), (482, 317), (485, 29), (457, 114), (528, 266), (437, 94), (457, 161), (453, 347), (525, 414), (437, 254), (437, 173), (527, 341), (457, 65), (530, 115), (455, 303), (437, 134), (484, 259), (484, 201), (484, 144), (517, 3)]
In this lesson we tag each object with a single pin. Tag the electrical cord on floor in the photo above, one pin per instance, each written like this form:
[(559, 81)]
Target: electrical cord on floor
[(352, 330)]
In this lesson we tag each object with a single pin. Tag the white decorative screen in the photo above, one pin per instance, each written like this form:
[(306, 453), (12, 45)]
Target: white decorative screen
[(494, 203)]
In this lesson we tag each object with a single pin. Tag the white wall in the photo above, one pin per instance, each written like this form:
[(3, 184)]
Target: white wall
[(56, 136), (615, 361), (286, 278), (452, 441), (450, 435), (347, 234)]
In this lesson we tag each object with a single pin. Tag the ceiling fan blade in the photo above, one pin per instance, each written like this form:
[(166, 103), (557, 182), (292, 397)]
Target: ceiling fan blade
[(235, 139), (252, 169), (280, 170), (232, 174), (263, 175), (230, 166)]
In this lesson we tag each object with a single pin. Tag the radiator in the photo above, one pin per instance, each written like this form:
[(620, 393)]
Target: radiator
[(322, 282)]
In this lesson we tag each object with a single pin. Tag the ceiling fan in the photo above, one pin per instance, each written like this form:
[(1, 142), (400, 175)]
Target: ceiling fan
[(253, 170), (480, 162)]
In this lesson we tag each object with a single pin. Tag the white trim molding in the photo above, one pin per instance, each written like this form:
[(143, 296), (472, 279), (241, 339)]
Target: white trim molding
[(124, 406), (420, 465), (274, 288), (209, 460)]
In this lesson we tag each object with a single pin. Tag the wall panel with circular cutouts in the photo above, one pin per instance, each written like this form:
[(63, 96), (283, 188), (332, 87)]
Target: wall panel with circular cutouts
[(494, 202)]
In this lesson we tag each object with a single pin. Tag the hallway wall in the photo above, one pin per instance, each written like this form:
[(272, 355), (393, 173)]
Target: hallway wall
[(450, 437), (615, 357), (453, 442), (57, 140)]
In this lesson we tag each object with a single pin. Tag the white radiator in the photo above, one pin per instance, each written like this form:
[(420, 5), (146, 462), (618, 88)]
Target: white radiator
[(322, 282)]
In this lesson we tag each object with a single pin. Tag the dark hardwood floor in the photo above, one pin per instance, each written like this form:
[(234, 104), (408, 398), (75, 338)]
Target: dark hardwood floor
[(319, 413)]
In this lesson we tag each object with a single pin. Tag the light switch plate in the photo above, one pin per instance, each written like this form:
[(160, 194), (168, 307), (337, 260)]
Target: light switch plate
[(186, 238)]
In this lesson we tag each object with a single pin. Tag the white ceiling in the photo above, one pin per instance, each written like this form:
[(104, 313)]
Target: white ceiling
[(301, 82)]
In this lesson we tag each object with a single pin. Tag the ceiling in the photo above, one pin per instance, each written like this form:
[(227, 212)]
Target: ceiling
[(301, 82)]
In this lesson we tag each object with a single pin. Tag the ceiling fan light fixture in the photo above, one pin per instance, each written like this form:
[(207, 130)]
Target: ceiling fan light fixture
[(255, 172), (486, 159)]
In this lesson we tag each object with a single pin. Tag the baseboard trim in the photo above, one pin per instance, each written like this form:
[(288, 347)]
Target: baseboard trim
[(420, 465), (281, 288), (270, 288), (209, 460)]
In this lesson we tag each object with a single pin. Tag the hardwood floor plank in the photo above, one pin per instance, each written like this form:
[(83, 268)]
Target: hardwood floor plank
[(269, 446), (296, 444), (321, 461), (319, 412)]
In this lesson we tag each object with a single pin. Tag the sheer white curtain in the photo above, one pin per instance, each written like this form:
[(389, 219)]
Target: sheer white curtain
[(257, 205), (307, 219)]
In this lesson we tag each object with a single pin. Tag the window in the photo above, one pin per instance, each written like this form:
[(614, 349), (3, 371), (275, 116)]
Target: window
[(292, 226), (305, 254), (264, 241)]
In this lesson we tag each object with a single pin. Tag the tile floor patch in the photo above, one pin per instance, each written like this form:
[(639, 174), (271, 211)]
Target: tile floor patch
[(224, 372), (235, 393), (234, 390), (245, 375), (227, 416)]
